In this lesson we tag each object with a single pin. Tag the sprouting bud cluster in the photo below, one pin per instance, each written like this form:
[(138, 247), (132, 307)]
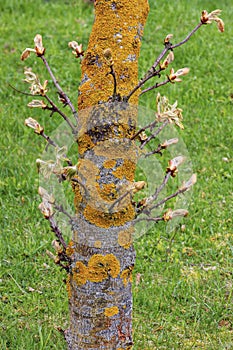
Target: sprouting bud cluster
[(77, 49), (173, 165), (32, 123), (36, 88), (166, 111), (207, 18), (46, 206), (39, 49)]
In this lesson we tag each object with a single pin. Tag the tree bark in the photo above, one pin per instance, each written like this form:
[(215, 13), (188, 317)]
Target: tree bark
[(100, 280)]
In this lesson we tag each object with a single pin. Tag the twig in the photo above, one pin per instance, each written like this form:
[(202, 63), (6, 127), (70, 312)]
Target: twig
[(149, 219), (112, 72), (23, 93), (187, 37), (81, 184), (148, 76), (119, 199), (61, 92), (56, 109), (63, 211), (148, 126), (157, 85), (48, 139), (152, 136), (152, 71), (57, 232), (173, 195), (154, 196), (157, 150)]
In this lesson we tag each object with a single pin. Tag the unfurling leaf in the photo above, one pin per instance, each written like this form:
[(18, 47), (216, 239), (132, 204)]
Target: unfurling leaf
[(138, 186), (169, 142), (175, 76), (170, 214), (32, 123), (36, 87), (173, 165), (166, 111), (26, 53), (57, 246), (207, 18), (46, 209), (189, 183), (69, 171), (45, 195), (40, 50), (169, 59), (78, 48), (167, 39), (37, 104)]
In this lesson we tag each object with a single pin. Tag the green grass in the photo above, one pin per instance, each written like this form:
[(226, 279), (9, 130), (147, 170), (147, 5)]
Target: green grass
[(184, 298)]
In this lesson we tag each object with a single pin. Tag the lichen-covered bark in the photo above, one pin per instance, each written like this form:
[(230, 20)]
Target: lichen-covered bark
[(102, 253)]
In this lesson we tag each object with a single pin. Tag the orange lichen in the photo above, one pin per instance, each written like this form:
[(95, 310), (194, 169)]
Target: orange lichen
[(106, 220), (70, 249), (125, 238), (111, 311), (127, 170), (101, 267), (109, 164), (84, 143), (68, 286), (124, 34), (107, 191), (77, 195), (126, 276), (80, 273)]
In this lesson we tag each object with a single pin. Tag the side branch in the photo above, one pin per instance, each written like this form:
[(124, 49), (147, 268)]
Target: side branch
[(152, 71), (56, 109), (61, 92)]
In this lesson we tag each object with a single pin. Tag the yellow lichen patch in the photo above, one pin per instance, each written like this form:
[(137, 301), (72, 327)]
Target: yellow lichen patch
[(96, 268), (101, 267), (70, 249), (126, 276), (112, 265), (68, 286), (111, 311), (77, 195), (124, 33), (109, 164), (107, 191), (106, 220), (119, 172), (97, 244), (125, 238), (84, 143), (114, 149), (125, 130), (80, 273), (127, 170)]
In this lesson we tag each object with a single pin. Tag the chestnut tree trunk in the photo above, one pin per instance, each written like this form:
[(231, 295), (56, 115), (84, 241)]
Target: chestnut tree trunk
[(100, 280)]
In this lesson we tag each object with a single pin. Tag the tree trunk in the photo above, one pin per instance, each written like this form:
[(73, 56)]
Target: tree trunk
[(100, 280)]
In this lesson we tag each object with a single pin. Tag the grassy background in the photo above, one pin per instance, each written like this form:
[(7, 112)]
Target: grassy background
[(184, 298)]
